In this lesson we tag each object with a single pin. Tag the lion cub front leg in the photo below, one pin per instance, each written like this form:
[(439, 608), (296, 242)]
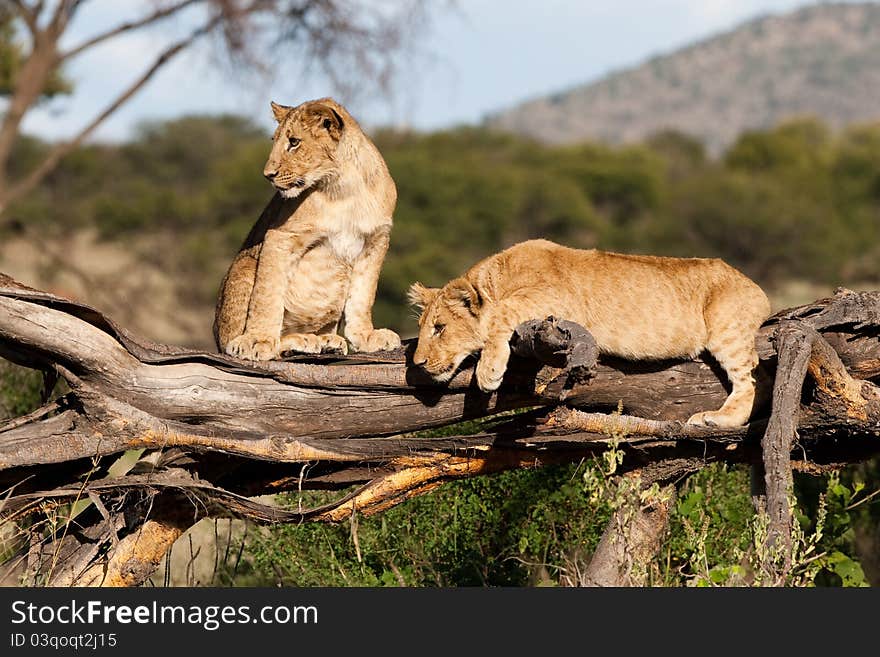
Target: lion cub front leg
[(261, 339), (500, 323), (493, 362), (361, 295)]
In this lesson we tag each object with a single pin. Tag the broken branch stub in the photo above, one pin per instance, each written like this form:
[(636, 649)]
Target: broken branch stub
[(567, 350)]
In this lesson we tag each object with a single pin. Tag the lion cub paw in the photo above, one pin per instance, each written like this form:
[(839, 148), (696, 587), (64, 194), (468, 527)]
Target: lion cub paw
[(489, 374), (253, 347), (716, 419), (309, 343), (334, 344), (375, 340)]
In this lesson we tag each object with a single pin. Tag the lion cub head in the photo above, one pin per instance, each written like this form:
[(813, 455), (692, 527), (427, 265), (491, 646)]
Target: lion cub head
[(304, 145), (449, 326)]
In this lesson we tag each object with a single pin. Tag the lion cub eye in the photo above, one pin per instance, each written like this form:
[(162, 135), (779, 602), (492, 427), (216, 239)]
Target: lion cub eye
[(292, 143), (438, 328)]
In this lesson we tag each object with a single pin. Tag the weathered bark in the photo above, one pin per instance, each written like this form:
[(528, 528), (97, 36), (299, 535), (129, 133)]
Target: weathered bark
[(793, 348), (840, 398), (137, 556), (216, 431), (630, 543)]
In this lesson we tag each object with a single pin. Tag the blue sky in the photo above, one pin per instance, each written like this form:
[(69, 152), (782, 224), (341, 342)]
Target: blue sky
[(479, 57)]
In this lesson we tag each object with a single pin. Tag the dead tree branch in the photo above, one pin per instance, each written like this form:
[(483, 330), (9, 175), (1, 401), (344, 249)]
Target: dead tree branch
[(214, 431), (630, 542)]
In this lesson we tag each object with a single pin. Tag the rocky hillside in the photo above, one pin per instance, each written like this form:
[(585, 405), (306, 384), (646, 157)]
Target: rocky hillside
[(822, 60)]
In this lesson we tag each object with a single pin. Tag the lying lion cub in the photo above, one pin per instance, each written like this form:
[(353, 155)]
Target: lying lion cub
[(637, 307)]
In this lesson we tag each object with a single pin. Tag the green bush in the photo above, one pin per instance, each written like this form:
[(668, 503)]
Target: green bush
[(508, 529), (19, 390)]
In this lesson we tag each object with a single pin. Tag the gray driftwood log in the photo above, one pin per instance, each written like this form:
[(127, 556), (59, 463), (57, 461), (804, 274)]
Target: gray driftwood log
[(216, 431)]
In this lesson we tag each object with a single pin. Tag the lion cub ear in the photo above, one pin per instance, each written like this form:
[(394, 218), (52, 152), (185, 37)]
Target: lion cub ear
[(463, 291), (327, 118), (421, 296), (280, 111)]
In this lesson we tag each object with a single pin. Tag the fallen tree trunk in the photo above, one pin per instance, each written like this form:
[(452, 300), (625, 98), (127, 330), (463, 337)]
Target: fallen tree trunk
[(215, 431)]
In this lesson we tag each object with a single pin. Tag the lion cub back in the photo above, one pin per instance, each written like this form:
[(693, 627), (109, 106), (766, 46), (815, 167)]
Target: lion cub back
[(637, 307)]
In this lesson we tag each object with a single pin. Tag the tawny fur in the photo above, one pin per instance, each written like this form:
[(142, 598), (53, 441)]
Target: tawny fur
[(313, 258), (636, 307)]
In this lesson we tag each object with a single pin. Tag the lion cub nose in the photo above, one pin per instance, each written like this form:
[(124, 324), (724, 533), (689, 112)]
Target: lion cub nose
[(419, 360), (270, 173)]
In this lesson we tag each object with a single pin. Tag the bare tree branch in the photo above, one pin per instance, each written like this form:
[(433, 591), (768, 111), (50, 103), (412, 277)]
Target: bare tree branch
[(29, 14), (630, 542), (217, 431), (129, 26), (64, 11), (30, 82), (55, 155), (793, 347)]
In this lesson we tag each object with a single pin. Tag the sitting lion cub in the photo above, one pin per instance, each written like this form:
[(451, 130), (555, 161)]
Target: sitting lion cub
[(636, 307), (313, 257)]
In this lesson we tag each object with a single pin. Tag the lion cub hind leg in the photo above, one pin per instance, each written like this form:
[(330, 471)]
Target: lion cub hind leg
[(230, 315), (311, 343), (733, 323), (738, 364)]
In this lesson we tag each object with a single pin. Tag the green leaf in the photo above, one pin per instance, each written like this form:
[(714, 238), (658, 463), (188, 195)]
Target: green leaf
[(125, 463), (690, 505), (719, 574), (849, 571)]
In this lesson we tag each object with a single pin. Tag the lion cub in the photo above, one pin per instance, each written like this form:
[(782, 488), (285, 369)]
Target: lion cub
[(313, 257), (636, 307)]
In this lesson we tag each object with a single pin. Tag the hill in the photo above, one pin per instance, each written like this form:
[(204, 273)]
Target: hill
[(822, 60)]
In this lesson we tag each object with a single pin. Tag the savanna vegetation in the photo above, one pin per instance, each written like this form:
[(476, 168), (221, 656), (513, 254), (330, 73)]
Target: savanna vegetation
[(797, 203)]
